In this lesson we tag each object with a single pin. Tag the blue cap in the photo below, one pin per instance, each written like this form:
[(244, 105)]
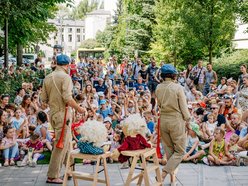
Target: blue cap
[(63, 59), (102, 102), (168, 69)]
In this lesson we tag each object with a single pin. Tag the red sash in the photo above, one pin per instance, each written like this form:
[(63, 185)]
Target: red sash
[(158, 141)]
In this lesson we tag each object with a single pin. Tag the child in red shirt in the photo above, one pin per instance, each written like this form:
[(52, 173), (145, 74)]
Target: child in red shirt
[(75, 127), (34, 147)]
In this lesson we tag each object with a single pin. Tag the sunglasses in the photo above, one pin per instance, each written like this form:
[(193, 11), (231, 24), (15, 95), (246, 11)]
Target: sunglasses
[(213, 108)]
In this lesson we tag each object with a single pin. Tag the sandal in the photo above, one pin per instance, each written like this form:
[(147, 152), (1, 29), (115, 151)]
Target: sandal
[(12, 163), (164, 174), (54, 181), (6, 164)]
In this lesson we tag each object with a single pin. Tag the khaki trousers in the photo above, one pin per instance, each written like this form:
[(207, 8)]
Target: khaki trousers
[(173, 136), (58, 155)]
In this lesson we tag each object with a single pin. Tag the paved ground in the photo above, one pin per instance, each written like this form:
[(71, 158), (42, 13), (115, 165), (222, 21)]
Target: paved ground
[(189, 174)]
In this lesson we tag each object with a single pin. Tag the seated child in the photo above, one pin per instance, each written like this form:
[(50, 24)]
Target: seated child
[(208, 128), (133, 127), (218, 152), (108, 124), (233, 146), (75, 127), (42, 131), (34, 147), (10, 145), (149, 121), (192, 152), (19, 123), (32, 118)]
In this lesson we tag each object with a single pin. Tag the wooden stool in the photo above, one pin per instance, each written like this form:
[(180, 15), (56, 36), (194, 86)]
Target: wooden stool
[(143, 155), (86, 176)]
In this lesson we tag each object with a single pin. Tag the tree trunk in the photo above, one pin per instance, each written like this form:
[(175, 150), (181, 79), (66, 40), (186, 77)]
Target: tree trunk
[(19, 54), (210, 53), (210, 44), (6, 41)]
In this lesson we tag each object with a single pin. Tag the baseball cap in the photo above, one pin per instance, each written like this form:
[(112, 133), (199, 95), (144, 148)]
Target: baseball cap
[(100, 94), (63, 59), (195, 128), (168, 69), (102, 102), (107, 119)]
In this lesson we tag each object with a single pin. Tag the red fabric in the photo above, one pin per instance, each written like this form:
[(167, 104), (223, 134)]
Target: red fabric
[(73, 69), (37, 146), (132, 143), (158, 141), (75, 125)]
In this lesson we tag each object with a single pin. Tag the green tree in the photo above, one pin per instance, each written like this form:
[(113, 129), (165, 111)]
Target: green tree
[(27, 21), (188, 30), (90, 43), (84, 7)]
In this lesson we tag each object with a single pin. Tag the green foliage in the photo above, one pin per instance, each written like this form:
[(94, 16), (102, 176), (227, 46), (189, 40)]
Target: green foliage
[(27, 20), (84, 7), (10, 84), (229, 64), (90, 43)]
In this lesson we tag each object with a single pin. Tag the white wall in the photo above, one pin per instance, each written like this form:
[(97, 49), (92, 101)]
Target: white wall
[(110, 5), (241, 37), (93, 24)]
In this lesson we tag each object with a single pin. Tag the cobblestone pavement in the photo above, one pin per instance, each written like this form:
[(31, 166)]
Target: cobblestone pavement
[(189, 175)]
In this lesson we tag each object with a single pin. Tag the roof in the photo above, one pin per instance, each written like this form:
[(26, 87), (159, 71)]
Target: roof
[(100, 12)]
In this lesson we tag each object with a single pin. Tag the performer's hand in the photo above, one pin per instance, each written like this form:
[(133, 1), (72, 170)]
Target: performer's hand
[(81, 110)]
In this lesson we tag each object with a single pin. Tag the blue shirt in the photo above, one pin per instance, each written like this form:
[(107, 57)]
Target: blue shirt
[(243, 132), (141, 86), (104, 113), (150, 126)]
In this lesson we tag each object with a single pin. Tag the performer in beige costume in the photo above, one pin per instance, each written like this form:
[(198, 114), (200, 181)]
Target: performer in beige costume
[(174, 114), (57, 92)]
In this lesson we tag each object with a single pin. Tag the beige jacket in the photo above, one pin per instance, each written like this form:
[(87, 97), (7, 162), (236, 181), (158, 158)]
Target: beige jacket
[(172, 100), (57, 99)]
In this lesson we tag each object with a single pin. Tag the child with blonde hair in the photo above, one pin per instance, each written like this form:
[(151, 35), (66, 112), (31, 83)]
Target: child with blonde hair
[(218, 150), (208, 128)]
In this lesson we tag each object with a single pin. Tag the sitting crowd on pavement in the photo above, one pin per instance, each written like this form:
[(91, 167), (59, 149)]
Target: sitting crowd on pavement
[(216, 135)]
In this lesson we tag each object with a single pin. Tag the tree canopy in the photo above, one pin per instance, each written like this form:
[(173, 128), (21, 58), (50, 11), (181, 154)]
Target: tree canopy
[(178, 31)]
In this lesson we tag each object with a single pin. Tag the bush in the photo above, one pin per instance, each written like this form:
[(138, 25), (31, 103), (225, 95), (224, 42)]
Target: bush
[(229, 64), (10, 84)]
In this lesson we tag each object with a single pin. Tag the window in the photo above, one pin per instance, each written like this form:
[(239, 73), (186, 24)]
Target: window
[(63, 39), (78, 30), (69, 38), (70, 30), (83, 37), (78, 38), (62, 30), (83, 30)]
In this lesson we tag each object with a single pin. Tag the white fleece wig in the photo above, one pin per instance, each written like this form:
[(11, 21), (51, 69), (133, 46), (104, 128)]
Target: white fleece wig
[(135, 124), (93, 131)]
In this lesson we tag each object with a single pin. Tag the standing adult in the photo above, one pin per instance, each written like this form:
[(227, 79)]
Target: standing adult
[(243, 70), (151, 73), (210, 77), (243, 94), (199, 75), (57, 92), (173, 114)]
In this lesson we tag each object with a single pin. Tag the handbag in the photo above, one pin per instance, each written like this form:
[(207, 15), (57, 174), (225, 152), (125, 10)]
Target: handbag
[(196, 80)]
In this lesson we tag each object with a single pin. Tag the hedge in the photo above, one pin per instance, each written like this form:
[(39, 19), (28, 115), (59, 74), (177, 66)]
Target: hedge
[(229, 64)]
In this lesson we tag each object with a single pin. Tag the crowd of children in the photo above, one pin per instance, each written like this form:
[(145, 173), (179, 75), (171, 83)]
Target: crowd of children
[(217, 132)]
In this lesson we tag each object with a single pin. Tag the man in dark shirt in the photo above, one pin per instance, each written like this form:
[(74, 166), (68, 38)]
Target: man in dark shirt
[(101, 87), (151, 72)]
